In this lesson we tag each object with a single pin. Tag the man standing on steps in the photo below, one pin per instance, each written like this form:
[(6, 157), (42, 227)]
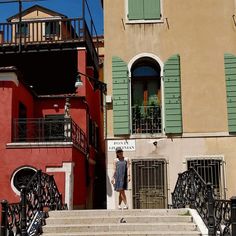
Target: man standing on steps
[(121, 176)]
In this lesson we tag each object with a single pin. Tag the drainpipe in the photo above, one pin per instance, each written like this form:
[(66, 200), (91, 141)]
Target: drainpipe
[(4, 218), (20, 24)]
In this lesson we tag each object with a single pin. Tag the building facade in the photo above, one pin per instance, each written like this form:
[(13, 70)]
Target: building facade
[(47, 120), (170, 70)]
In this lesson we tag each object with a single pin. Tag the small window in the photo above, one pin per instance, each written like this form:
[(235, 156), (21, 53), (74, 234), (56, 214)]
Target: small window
[(21, 177), (52, 28), (144, 10), (22, 29), (211, 171)]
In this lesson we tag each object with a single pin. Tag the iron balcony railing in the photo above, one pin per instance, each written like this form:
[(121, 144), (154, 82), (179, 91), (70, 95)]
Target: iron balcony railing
[(146, 119), (49, 130), (64, 32)]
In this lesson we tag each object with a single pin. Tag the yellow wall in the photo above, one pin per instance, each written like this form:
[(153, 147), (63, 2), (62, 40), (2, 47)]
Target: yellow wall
[(200, 32)]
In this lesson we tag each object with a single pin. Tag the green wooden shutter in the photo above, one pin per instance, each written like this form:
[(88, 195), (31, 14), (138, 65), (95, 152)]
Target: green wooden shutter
[(230, 75), (121, 108), (152, 9), (172, 95), (135, 8)]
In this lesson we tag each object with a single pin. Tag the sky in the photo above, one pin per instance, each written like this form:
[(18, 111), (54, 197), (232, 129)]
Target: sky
[(70, 8)]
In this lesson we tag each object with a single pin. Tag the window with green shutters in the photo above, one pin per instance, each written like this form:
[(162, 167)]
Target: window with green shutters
[(172, 96), (144, 9), (230, 76), (121, 107)]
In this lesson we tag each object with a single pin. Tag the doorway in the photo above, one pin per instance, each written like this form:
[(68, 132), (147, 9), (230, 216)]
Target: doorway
[(149, 184)]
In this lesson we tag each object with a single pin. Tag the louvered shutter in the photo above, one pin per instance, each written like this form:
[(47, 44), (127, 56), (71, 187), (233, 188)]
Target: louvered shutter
[(135, 8), (230, 76), (121, 108), (152, 9), (172, 95)]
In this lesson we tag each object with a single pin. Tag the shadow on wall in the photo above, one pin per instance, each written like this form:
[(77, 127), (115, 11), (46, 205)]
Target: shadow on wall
[(109, 186)]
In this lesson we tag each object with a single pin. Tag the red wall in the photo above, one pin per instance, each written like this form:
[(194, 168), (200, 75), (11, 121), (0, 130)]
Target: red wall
[(13, 158), (84, 104), (39, 158), (6, 89)]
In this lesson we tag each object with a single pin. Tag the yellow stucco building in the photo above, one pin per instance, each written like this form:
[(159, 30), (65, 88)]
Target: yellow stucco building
[(170, 67)]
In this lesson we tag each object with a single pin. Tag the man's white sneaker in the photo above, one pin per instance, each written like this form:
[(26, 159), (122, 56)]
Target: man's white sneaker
[(125, 207), (119, 207)]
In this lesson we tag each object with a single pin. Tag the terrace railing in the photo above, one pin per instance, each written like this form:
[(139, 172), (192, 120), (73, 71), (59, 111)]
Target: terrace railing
[(192, 191), (42, 31), (146, 119), (64, 33), (28, 216), (40, 130)]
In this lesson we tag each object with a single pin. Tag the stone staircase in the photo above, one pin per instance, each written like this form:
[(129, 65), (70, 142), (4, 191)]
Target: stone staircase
[(137, 222)]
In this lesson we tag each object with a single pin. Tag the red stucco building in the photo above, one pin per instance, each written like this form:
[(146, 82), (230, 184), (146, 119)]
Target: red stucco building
[(47, 121)]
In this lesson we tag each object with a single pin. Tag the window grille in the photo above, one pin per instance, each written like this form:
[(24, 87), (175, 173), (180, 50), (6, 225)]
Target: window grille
[(211, 171)]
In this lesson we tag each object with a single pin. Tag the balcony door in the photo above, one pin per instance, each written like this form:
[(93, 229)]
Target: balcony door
[(146, 96), (54, 127)]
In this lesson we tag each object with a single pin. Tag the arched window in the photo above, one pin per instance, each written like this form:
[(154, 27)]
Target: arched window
[(146, 96)]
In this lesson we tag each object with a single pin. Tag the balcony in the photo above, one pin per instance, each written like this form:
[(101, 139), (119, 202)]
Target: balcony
[(146, 120), (49, 130), (49, 35)]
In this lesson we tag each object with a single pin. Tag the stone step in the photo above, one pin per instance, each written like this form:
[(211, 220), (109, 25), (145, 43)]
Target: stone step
[(128, 233), (136, 212), (133, 222), (116, 219), (120, 227)]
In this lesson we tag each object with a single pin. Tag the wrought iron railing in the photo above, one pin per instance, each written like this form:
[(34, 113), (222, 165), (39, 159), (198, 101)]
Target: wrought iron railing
[(28, 216), (49, 130), (41, 31), (192, 191), (146, 119), (64, 32)]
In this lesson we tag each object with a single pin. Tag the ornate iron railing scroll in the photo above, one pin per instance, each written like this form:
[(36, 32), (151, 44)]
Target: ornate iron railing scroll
[(27, 217), (218, 215)]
